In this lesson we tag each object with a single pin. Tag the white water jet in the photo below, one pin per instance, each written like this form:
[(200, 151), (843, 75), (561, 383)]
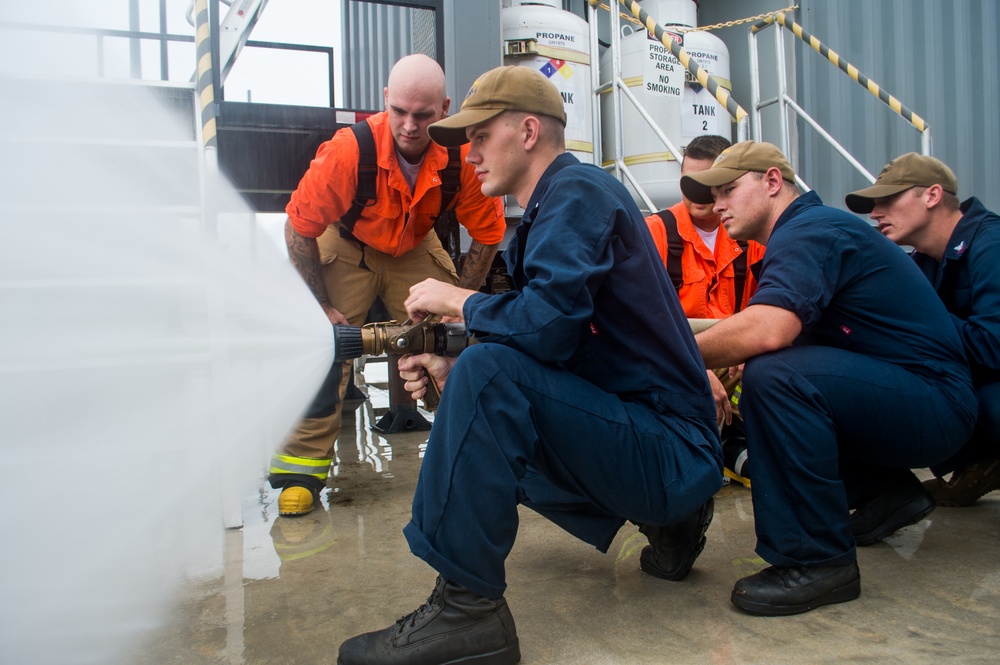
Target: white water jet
[(148, 368)]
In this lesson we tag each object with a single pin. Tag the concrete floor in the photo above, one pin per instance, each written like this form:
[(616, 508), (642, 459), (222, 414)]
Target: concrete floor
[(295, 588)]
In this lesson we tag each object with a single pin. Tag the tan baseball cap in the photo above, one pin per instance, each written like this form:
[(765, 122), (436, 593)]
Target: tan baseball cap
[(509, 88), (903, 173), (732, 163)]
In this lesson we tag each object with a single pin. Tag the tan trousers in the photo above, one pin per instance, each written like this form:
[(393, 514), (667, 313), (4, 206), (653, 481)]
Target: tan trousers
[(355, 275)]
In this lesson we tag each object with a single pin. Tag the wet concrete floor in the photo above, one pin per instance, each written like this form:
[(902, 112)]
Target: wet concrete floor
[(294, 588)]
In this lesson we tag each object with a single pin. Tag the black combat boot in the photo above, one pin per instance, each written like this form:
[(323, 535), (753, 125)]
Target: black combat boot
[(673, 549), (782, 590), (902, 503), (455, 625)]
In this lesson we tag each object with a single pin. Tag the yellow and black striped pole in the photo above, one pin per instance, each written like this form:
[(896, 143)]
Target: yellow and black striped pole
[(205, 84), (846, 67), (717, 91), (205, 90)]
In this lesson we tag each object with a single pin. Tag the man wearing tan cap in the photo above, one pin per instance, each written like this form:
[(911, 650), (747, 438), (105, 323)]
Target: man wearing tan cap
[(853, 376), (586, 399), (957, 246)]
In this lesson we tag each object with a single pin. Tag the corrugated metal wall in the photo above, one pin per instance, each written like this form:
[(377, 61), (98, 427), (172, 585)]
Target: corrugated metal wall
[(941, 58), (374, 37)]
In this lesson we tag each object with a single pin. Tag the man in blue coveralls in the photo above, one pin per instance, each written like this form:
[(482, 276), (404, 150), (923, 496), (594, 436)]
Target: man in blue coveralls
[(586, 401), (957, 246), (854, 374)]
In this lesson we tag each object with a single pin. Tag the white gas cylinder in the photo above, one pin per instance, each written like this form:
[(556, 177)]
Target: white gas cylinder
[(678, 104), (536, 33)]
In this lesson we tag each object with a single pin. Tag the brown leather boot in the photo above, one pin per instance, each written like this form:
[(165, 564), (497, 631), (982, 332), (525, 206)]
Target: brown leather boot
[(966, 485), (455, 625)]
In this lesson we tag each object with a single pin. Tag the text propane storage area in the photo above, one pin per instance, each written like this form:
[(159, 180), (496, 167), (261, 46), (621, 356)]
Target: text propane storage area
[(681, 107)]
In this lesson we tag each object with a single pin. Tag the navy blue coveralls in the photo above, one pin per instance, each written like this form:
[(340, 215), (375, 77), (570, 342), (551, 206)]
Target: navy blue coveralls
[(587, 401), (875, 384), (968, 282)]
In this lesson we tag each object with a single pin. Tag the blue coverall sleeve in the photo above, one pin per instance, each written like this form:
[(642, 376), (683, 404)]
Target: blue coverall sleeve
[(566, 257), (802, 278), (980, 331)]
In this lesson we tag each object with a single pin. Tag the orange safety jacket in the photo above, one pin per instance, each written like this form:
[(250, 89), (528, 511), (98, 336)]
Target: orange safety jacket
[(399, 219), (708, 290)]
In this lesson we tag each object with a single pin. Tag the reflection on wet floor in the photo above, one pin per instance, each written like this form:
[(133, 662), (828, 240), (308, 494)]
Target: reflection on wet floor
[(294, 588)]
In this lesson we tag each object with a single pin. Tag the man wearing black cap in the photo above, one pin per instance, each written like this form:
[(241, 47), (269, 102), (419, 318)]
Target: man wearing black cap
[(853, 376), (957, 246), (586, 399)]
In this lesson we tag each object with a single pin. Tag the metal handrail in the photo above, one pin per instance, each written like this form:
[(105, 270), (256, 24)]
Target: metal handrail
[(618, 89), (779, 18), (100, 34), (717, 91), (164, 38)]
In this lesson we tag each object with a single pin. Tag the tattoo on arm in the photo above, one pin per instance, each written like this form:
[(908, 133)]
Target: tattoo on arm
[(476, 265), (304, 254)]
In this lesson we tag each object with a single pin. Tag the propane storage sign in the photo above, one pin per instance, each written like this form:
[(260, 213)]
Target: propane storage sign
[(663, 74)]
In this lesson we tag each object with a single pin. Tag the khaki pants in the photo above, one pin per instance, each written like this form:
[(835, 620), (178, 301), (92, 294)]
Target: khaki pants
[(355, 275)]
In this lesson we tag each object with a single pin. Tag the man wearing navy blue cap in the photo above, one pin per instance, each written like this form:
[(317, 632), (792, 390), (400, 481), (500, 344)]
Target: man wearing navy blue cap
[(854, 374)]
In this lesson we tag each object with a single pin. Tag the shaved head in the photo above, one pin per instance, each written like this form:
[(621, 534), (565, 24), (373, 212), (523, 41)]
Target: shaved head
[(415, 98), (417, 74)]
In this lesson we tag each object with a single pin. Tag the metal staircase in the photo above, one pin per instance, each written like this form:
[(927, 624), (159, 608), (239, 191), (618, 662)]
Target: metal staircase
[(789, 109), (748, 125)]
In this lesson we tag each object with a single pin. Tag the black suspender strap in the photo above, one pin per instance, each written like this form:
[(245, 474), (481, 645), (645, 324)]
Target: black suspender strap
[(740, 273), (451, 179), (364, 196), (675, 248), (446, 226)]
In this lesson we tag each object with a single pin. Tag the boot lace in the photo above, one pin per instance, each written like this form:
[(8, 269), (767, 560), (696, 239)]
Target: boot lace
[(409, 621)]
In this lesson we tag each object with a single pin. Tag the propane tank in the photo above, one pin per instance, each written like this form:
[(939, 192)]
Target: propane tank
[(536, 33), (679, 105), (701, 112)]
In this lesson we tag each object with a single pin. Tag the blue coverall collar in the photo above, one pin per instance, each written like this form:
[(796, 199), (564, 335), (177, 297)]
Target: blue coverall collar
[(801, 202), (557, 165), (961, 237)]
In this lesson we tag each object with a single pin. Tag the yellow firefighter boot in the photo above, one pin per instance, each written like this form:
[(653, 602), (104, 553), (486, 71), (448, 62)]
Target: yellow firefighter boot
[(295, 500)]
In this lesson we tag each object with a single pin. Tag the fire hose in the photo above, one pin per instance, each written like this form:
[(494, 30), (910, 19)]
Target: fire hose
[(442, 339)]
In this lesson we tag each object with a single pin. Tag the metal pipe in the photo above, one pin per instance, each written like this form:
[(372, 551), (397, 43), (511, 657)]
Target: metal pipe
[(207, 68), (638, 188), (655, 29), (918, 123), (770, 102), (644, 114), (595, 84), (135, 46), (616, 99), (755, 105), (743, 129), (164, 54), (829, 139), (786, 139)]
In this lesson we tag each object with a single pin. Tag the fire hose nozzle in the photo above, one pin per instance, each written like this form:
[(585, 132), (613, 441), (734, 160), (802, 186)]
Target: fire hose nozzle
[(394, 339), (347, 343)]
